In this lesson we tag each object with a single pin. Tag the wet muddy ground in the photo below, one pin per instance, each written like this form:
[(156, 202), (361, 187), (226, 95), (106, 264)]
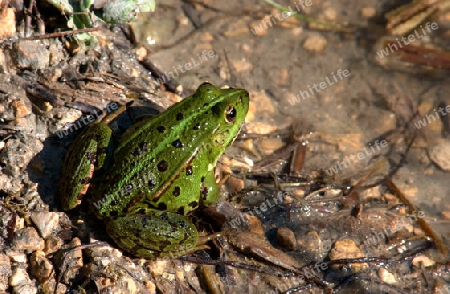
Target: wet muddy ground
[(339, 178)]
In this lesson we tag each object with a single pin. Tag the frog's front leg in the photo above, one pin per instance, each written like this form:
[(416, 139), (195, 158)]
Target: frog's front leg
[(151, 233)]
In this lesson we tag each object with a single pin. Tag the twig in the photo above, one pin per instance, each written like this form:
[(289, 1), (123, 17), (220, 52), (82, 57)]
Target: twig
[(423, 224), (61, 34)]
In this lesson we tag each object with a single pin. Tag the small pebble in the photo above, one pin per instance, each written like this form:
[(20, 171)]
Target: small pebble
[(347, 248), (315, 43), (234, 184), (422, 261), (255, 224), (5, 272), (41, 267), (46, 222), (205, 37), (52, 244), (330, 14), (270, 145), (386, 276), (440, 154), (158, 267), (236, 164), (445, 214), (368, 12), (150, 286), (19, 276), (247, 145), (286, 238), (7, 22), (390, 198), (310, 241), (257, 27), (20, 109), (419, 232), (25, 289), (27, 240), (261, 104), (130, 281), (17, 256), (371, 194)]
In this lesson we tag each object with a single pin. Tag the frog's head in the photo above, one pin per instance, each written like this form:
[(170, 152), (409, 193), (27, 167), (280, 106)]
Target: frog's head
[(228, 110)]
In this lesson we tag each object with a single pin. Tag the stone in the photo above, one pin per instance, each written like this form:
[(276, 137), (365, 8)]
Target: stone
[(31, 55), (286, 238), (46, 222), (5, 272), (19, 276), (7, 23), (440, 154), (41, 267), (27, 240), (315, 43), (347, 248)]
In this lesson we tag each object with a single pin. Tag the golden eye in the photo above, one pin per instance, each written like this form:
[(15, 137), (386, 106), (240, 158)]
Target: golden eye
[(230, 114)]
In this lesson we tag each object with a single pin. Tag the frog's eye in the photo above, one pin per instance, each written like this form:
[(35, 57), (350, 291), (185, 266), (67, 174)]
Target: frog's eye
[(230, 114), (208, 89)]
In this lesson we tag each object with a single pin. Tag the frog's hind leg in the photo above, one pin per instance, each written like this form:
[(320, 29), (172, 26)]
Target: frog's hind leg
[(85, 156), (150, 233)]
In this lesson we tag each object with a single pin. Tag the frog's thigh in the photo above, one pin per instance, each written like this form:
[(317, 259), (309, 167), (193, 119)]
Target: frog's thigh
[(152, 233)]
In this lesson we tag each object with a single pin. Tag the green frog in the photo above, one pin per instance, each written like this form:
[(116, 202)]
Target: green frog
[(161, 170)]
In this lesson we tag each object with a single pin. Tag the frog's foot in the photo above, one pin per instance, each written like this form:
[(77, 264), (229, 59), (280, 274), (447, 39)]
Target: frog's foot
[(151, 233), (204, 239)]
